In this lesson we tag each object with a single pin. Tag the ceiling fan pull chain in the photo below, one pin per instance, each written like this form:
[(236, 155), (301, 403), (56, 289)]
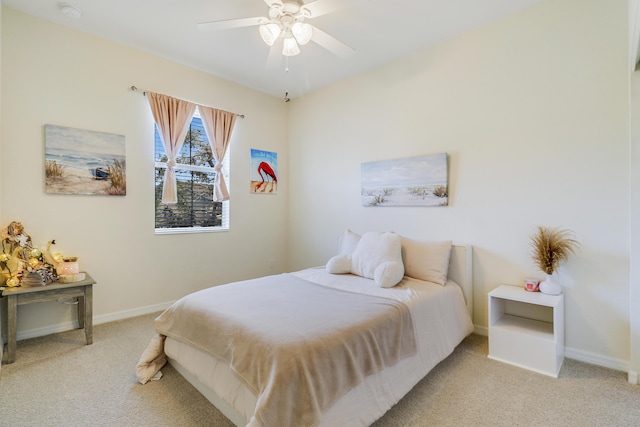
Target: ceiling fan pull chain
[(286, 78)]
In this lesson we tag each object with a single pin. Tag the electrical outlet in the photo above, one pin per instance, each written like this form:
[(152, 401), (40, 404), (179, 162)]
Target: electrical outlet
[(272, 263)]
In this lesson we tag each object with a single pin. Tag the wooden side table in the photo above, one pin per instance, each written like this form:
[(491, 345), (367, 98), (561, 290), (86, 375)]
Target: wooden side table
[(83, 290)]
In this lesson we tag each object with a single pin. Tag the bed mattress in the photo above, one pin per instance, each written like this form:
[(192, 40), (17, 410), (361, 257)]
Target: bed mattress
[(441, 321)]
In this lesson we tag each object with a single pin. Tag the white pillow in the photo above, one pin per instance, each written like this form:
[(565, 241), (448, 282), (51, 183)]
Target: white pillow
[(348, 242), (375, 249), (388, 274), (339, 264), (426, 260)]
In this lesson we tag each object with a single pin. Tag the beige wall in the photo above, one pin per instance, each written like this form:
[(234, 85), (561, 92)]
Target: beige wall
[(0, 115), (634, 232), (634, 179), (1, 219), (54, 75), (533, 113)]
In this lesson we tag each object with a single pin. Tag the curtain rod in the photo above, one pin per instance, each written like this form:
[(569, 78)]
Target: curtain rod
[(144, 92)]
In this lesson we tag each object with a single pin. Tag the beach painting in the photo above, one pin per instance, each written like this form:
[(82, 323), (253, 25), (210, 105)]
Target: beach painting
[(84, 162), (412, 181), (264, 172)]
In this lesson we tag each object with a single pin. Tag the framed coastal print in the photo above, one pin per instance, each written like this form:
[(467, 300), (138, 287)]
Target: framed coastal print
[(81, 161), (411, 181), (264, 172)]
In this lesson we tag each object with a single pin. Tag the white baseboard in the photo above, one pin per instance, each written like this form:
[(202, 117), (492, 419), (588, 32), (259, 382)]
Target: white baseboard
[(596, 359), (141, 311), (481, 330), (104, 318)]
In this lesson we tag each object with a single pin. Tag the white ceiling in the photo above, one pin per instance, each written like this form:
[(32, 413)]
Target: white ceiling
[(379, 31)]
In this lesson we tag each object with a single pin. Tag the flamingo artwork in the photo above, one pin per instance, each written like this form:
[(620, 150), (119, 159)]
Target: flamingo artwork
[(265, 164), (268, 175)]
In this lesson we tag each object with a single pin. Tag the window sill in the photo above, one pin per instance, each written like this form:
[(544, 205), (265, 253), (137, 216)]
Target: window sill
[(191, 230)]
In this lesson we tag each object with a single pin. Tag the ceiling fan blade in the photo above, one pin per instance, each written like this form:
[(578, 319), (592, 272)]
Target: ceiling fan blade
[(331, 44), (323, 7), (272, 2), (230, 23), (275, 54)]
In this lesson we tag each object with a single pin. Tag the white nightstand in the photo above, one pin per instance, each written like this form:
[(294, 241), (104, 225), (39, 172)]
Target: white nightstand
[(526, 329)]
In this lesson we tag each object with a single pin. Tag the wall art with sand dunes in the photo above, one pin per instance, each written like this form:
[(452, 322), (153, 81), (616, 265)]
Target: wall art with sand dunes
[(410, 181), (81, 161)]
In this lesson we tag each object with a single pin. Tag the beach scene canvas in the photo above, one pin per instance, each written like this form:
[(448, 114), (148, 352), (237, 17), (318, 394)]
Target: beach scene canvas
[(411, 181), (264, 172), (81, 161)]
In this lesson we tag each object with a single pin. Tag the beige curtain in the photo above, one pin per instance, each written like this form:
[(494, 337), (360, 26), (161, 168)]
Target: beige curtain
[(218, 125), (172, 116)]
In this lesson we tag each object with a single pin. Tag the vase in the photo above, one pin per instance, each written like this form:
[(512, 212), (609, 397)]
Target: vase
[(549, 286)]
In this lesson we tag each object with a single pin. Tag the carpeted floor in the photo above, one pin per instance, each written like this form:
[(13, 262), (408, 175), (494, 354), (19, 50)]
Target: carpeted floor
[(59, 381)]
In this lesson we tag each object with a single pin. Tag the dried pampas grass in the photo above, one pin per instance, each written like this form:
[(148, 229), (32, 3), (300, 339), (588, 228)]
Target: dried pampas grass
[(551, 246)]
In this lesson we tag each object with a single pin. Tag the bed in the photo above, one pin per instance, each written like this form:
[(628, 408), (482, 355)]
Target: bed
[(342, 387)]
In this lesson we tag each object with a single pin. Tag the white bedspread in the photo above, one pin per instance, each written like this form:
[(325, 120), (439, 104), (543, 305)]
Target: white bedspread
[(441, 321)]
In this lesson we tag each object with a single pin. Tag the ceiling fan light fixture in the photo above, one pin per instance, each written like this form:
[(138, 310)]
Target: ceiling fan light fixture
[(270, 33), (302, 32), (290, 47)]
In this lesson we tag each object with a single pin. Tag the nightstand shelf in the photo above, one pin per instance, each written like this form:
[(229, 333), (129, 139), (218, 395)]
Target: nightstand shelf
[(525, 326), (526, 329)]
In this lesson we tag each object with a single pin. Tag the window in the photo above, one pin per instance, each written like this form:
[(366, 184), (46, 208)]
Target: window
[(195, 210)]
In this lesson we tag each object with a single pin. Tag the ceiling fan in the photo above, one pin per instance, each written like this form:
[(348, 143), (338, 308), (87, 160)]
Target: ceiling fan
[(285, 28)]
